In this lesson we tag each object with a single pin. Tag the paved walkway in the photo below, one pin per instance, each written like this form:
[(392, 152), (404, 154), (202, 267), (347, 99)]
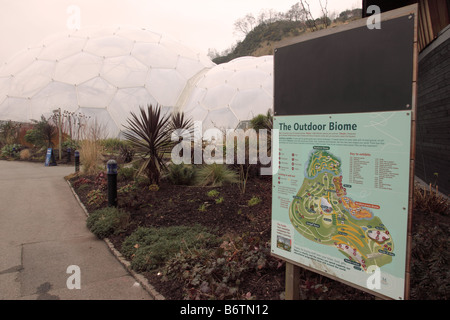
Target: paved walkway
[(43, 232)]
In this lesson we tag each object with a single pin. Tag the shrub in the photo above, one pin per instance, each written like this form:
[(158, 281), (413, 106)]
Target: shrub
[(107, 221), (90, 147), (43, 132), (125, 174), (9, 132), (254, 201), (33, 137), (81, 181), (212, 193), (96, 198), (126, 152), (11, 150), (69, 143), (142, 181), (101, 181), (149, 248), (429, 257), (117, 146), (25, 154), (127, 188), (217, 274), (216, 175), (262, 121), (111, 144), (430, 200), (181, 174), (90, 156), (219, 200)]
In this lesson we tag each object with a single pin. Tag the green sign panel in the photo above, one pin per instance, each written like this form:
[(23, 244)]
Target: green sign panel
[(341, 195)]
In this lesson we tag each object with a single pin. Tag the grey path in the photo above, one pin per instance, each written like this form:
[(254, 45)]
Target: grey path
[(43, 231)]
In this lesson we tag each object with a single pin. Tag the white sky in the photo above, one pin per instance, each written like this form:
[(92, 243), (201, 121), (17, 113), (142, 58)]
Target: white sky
[(200, 24)]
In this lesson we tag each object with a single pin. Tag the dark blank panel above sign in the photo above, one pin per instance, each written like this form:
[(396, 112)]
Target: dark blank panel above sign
[(357, 70)]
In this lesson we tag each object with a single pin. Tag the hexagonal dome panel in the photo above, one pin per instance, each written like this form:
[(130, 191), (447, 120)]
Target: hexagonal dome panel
[(106, 73), (232, 92), (101, 72)]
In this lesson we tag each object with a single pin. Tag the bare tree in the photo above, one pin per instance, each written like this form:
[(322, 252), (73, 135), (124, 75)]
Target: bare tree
[(213, 53), (296, 13), (312, 22), (307, 9), (272, 15), (324, 8), (262, 17), (245, 25), (269, 16), (251, 20)]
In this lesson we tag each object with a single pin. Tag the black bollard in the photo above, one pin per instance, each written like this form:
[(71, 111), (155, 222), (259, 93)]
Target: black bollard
[(69, 151), (112, 183), (77, 161)]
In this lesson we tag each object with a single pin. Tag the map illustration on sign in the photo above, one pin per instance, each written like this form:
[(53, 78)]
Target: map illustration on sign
[(341, 196), (323, 212)]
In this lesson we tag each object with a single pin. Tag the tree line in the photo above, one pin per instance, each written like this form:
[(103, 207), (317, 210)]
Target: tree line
[(272, 25)]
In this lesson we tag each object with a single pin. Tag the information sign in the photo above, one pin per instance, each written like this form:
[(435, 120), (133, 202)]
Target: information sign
[(341, 197), (50, 158), (344, 107)]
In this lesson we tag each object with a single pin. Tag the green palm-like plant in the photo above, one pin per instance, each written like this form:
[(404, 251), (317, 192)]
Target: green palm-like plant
[(180, 122), (149, 133)]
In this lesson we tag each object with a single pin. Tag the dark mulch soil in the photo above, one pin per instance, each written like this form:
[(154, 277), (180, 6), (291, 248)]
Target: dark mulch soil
[(178, 205)]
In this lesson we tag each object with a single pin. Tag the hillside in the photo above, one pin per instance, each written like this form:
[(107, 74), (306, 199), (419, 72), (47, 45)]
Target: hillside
[(262, 39)]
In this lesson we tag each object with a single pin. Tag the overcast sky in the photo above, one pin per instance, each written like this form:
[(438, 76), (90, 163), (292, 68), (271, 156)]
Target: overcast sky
[(201, 24)]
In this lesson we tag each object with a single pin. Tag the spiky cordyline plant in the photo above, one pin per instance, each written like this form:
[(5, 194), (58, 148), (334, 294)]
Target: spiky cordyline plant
[(148, 131), (180, 122)]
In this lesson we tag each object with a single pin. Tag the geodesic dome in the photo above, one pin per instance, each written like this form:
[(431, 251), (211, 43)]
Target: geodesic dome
[(232, 92), (100, 72), (106, 73)]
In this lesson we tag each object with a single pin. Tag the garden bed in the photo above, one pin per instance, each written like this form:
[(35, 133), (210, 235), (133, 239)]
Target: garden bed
[(230, 214)]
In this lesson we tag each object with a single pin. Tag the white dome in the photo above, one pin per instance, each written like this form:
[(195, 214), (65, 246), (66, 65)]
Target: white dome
[(101, 72), (107, 73), (232, 92)]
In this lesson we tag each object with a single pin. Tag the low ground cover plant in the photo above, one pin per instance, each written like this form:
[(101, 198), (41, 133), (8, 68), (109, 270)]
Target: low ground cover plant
[(107, 221), (150, 248), (96, 198), (217, 273)]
